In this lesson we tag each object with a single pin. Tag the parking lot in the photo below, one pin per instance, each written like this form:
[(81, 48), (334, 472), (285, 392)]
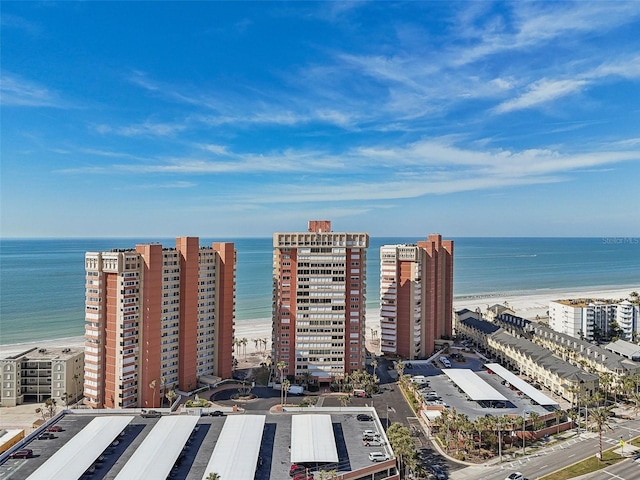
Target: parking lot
[(453, 397)]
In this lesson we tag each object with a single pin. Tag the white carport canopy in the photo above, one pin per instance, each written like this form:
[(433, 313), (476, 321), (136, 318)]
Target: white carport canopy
[(77, 455), (474, 386), (312, 439), (155, 456), (235, 456), (526, 388)]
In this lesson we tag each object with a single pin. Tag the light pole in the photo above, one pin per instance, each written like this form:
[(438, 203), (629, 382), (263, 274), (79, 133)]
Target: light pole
[(524, 439)]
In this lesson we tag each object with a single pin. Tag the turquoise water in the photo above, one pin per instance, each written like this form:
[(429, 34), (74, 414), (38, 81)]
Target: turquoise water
[(42, 280)]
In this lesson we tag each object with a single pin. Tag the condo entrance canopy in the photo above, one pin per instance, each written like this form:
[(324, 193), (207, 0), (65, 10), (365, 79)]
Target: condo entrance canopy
[(312, 439), (526, 388), (474, 386), (236, 453), (79, 453)]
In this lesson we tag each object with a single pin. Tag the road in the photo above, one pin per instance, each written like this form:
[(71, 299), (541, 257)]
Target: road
[(560, 455)]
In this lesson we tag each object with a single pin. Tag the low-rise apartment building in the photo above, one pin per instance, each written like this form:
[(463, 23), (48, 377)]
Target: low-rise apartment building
[(585, 354), (530, 359), (41, 373)]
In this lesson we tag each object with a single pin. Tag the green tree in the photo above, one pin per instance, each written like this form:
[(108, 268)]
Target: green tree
[(344, 400), (400, 369), (285, 389), (402, 443), (171, 396), (559, 416), (50, 408), (600, 416), (213, 476)]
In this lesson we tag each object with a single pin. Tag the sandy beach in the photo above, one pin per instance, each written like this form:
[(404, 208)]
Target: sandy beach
[(527, 305)]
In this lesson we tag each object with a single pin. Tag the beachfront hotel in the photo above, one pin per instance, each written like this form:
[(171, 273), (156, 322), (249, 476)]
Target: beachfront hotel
[(416, 296), (157, 319), (319, 279)]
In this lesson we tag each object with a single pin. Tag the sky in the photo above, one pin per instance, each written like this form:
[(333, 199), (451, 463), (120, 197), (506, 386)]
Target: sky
[(240, 119)]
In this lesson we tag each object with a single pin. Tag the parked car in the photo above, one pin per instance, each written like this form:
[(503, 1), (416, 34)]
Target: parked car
[(438, 472), (363, 417), (516, 476), (46, 436), (217, 413), (296, 469), (303, 476), (151, 414), (370, 433), (373, 442), (55, 428), (378, 456), (22, 453)]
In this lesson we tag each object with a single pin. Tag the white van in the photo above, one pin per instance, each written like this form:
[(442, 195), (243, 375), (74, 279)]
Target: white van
[(445, 362), (419, 379)]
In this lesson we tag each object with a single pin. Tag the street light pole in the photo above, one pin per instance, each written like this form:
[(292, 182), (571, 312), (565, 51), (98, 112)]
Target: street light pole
[(524, 425)]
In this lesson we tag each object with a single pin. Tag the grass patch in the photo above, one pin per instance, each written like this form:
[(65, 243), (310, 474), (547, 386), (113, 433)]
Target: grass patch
[(588, 465)]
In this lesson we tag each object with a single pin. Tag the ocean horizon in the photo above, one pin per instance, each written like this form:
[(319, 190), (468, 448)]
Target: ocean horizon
[(42, 280)]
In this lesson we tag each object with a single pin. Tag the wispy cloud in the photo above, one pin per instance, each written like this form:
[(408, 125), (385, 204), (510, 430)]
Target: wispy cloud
[(19, 92), (146, 129), (542, 91)]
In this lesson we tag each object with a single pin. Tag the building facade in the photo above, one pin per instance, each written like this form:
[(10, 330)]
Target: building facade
[(593, 319), (157, 319), (319, 307), (416, 296), (41, 373)]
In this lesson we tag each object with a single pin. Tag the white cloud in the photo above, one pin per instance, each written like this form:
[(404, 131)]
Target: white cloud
[(542, 91), (19, 92)]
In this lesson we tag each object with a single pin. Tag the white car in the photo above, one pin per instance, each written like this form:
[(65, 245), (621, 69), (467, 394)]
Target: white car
[(516, 476), (378, 456), (370, 433), (375, 442)]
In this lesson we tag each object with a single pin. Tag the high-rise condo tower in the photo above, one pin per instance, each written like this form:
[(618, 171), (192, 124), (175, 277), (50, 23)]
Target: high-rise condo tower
[(416, 296), (157, 319), (319, 302)]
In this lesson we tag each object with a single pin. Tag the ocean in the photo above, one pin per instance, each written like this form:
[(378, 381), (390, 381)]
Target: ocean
[(42, 280)]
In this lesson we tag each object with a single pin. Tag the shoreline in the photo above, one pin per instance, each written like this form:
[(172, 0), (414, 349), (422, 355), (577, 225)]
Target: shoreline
[(527, 305)]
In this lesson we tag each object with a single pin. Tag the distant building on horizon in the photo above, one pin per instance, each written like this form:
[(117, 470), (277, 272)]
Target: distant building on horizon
[(416, 296), (157, 319), (594, 319), (319, 286)]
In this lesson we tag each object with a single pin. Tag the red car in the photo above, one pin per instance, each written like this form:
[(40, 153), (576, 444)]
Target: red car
[(296, 469), (303, 476), (24, 453), (55, 428)]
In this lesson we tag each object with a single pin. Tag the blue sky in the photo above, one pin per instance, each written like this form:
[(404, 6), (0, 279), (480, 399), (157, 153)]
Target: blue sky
[(220, 119)]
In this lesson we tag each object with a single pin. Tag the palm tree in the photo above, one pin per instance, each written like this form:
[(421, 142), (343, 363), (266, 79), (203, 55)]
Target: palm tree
[(213, 476), (559, 414), (600, 417), (171, 395), (255, 342), (481, 424), (285, 389), (49, 407), (76, 377), (65, 398), (163, 383), (280, 366), (635, 398), (344, 400), (244, 342), (152, 386), (400, 369)]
